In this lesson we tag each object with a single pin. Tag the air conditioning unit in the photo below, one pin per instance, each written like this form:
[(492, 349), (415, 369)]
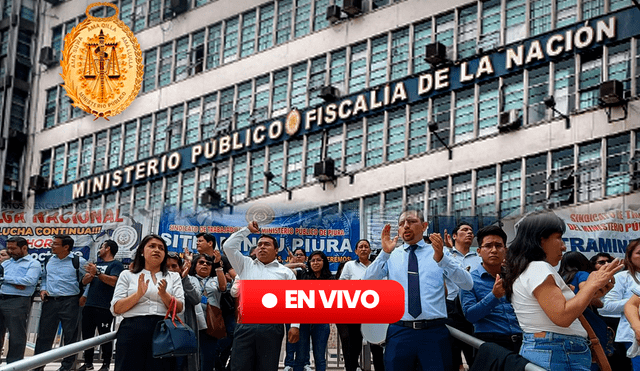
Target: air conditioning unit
[(12, 197), (53, 2), (37, 183), (325, 171), (333, 13), (210, 198), (179, 6), (352, 7), (47, 56), (436, 53), (509, 120), (329, 93), (611, 92)]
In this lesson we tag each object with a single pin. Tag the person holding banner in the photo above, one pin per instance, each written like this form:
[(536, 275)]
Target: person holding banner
[(421, 335)]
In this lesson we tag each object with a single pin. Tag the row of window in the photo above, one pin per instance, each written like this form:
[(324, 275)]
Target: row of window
[(365, 64), (584, 172)]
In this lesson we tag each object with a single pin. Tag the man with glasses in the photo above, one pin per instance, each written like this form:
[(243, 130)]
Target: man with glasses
[(102, 277), (600, 259), (485, 305)]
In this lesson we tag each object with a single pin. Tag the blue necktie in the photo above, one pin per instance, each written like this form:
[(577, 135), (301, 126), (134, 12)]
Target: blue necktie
[(415, 308)]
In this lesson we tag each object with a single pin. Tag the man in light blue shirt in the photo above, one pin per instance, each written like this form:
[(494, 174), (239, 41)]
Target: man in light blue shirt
[(60, 293), (421, 335), (21, 274)]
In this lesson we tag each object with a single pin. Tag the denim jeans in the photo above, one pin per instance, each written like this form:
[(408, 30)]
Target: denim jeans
[(557, 352), (635, 361), (319, 335)]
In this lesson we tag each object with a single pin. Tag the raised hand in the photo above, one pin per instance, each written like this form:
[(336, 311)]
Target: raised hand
[(603, 279), (186, 266), (448, 241), (388, 244), (188, 256), (254, 227), (438, 246), (216, 256), (142, 285), (498, 289), (162, 287)]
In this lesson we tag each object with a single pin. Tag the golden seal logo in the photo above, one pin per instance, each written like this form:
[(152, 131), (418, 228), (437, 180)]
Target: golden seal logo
[(293, 122), (102, 65)]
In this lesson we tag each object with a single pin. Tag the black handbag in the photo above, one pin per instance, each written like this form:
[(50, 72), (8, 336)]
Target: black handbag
[(171, 339)]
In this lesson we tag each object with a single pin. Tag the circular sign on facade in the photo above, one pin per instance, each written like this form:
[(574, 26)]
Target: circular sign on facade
[(293, 122), (102, 65)]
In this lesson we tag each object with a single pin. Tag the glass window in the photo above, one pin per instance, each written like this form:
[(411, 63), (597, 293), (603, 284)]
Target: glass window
[(100, 152), (172, 191), (536, 182), (72, 161), (275, 166), (239, 178), (486, 191), (299, 85), (620, 66), (415, 196), (392, 207), (378, 65), (256, 183), (85, 157), (564, 85), (490, 25), (58, 165), (130, 139), (421, 37), (618, 169), (214, 43), (124, 202), (164, 68), (467, 31), (187, 198), (110, 201), (592, 8), (566, 11), (396, 134), (139, 15), (160, 134), (230, 51), (375, 140), (303, 18), (589, 171), (155, 10), (283, 25), (338, 69), (64, 106), (418, 127), (50, 107), (438, 197), (144, 142), (294, 163), (461, 195), (248, 46), (175, 127), (618, 4), (317, 76), (222, 179), (372, 220), (155, 195), (243, 105), (6, 8), (126, 12), (193, 122), (320, 14), (45, 164), (589, 82), (140, 197), (510, 185), (265, 32), (115, 147), (399, 53), (18, 108), (261, 99), (516, 16), (226, 106), (149, 80), (540, 16), (56, 41), (313, 154), (335, 139), (488, 109), (353, 152), (196, 54), (358, 67), (442, 118), (561, 179), (279, 94), (637, 67), (24, 45), (445, 25), (538, 91), (512, 92), (464, 115), (204, 181), (209, 116)]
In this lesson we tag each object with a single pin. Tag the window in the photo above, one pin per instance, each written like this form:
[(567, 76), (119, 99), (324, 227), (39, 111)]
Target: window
[(294, 163), (353, 152), (445, 25), (230, 51), (561, 179), (335, 140), (490, 25), (175, 127), (191, 134), (566, 11), (279, 93), (155, 195), (196, 54), (140, 197), (283, 25), (85, 157), (512, 92), (299, 85), (144, 143), (214, 44), (538, 91), (155, 9), (438, 197), (392, 207), (540, 16), (125, 200), (160, 135), (375, 140), (464, 115), (172, 191), (535, 182), (129, 147), (418, 128), (256, 182), (467, 31), (243, 105), (589, 171), (303, 18), (265, 32), (637, 67), (248, 45), (204, 180), (442, 118), (421, 37), (226, 107), (45, 164), (378, 65), (208, 124), (222, 179), (275, 166), (261, 99), (415, 196), (589, 82), (461, 195), (372, 216), (100, 152), (486, 191), (64, 106), (24, 45), (338, 67), (58, 165), (510, 185), (110, 201), (187, 197), (126, 12), (396, 134), (320, 14), (314, 154), (72, 161), (564, 86), (399, 53), (139, 15), (592, 8), (618, 169), (516, 28), (164, 68), (115, 147), (239, 178), (317, 76), (618, 4), (620, 66), (358, 67), (149, 80)]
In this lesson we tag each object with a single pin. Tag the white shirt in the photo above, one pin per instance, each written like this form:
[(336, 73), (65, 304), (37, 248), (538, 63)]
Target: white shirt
[(615, 300), (353, 270), (150, 303), (531, 316)]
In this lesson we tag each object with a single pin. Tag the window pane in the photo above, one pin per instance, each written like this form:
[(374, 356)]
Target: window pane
[(415, 196), (540, 16), (538, 90), (303, 18), (283, 25), (171, 191), (175, 127), (209, 116), (214, 41), (243, 105), (375, 134), (294, 163), (490, 25), (418, 127), (564, 85), (442, 119), (164, 69), (437, 197), (565, 12), (353, 154), (396, 134), (467, 31), (130, 139), (256, 185), (230, 51), (620, 66), (590, 77), (248, 34), (85, 157), (536, 185), (317, 76), (510, 185), (275, 166), (486, 192), (150, 58), (299, 85), (115, 147), (378, 65), (193, 122), (100, 152), (589, 171), (72, 161), (320, 14), (592, 8), (464, 115), (461, 195), (144, 144), (338, 69), (513, 91), (618, 169), (335, 140), (160, 134), (358, 67), (181, 58), (561, 179), (515, 20), (265, 33), (279, 93), (187, 198), (421, 37), (314, 155), (399, 53), (239, 178)]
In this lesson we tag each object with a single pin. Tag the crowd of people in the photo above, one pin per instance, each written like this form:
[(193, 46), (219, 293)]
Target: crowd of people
[(508, 293)]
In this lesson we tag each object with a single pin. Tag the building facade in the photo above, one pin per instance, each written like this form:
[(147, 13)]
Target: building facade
[(439, 105)]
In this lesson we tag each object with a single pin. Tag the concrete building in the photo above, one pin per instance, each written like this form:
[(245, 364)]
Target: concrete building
[(440, 105)]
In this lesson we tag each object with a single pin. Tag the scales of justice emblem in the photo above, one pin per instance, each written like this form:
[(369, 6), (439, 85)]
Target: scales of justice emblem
[(102, 64)]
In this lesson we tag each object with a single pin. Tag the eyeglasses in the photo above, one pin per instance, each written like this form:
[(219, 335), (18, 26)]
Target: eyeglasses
[(205, 262), (492, 245), (315, 261), (602, 262)]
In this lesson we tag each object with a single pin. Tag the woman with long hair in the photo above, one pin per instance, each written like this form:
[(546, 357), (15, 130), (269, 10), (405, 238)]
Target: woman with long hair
[(627, 282), (142, 296), (318, 333), (547, 309)]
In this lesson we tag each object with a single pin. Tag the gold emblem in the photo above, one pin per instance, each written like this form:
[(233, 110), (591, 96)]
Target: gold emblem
[(102, 65), (293, 122)]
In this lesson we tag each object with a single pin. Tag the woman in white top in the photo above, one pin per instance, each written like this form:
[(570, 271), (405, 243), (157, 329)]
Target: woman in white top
[(547, 309), (627, 283), (142, 296)]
